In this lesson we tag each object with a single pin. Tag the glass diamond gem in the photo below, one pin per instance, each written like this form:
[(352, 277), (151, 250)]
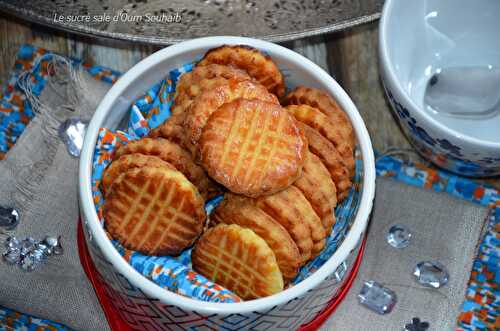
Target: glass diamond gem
[(12, 243), (399, 236), (431, 274), (72, 132), (377, 298), (12, 256), (29, 262), (9, 218)]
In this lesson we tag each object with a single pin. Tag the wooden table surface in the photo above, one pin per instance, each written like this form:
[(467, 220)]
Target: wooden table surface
[(351, 57)]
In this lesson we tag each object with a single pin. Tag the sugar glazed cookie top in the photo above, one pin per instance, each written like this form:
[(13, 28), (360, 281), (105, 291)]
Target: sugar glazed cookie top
[(253, 147), (238, 259), (154, 210)]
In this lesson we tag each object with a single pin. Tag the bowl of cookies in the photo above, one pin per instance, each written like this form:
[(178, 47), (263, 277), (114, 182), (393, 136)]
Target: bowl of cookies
[(225, 182)]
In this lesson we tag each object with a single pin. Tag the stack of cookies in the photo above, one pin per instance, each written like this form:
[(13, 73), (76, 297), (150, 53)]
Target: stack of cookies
[(283, 161)]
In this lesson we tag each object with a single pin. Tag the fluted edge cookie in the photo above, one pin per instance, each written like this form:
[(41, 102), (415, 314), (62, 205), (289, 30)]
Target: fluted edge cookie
[(202, 78), (239, 260), (328, 129), (172, 153), (257, 64), (154, 210), (235, 210), (126, 162)]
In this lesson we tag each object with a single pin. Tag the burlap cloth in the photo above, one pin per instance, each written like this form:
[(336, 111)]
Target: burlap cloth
[(39, 178), (444, 228)]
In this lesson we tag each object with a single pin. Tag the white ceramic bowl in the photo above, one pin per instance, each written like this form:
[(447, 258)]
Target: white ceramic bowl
[(416, 39), (126, 283)]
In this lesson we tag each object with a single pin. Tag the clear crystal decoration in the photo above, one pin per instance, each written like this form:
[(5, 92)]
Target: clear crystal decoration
[(11, 256), (29, 262), (51, 241), (38, 254), (377, 298), (27, 245), (72, 132), (54, 245), (30, 253), (399, 236), (12, 243), (431, 274), (9, 218)]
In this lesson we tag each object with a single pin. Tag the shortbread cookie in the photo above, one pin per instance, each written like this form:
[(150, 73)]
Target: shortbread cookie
[(319, 189), (281, 207), (127, 162), (203, 78), (172, 129), (306, 212), (154, 210), (328, 154), (326, 104), (172, 153), (235, 210), (328, 129), (258, 65), (209, 101), (252, 147), (239, 260)]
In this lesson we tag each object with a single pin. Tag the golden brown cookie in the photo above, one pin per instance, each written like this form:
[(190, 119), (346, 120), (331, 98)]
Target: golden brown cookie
[(172, 153), (126, 162), (326, 104), (258, 65), (281, 207), (209, 101), (252, 147), (319, 189), (239, 260), (306, 212), (154, 210), (328, 154), (202, 78), (237, 210), (172, 129), (327, 128)]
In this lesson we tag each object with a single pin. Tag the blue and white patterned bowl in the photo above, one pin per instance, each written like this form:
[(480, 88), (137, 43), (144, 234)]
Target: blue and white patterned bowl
[(142, 303), (418, 37)]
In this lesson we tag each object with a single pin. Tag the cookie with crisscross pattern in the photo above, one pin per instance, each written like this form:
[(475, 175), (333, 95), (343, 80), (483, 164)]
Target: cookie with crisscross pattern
[(127, 162), (154, 210), (319, 189), (258, 65), (203, 78), (239, 260), (172, 153), (237, 210), (322, 101), (210, 100), (252, 147), (327, 128)]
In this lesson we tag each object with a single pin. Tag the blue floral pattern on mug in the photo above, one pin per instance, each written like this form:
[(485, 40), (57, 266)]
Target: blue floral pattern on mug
[(440, 150)]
